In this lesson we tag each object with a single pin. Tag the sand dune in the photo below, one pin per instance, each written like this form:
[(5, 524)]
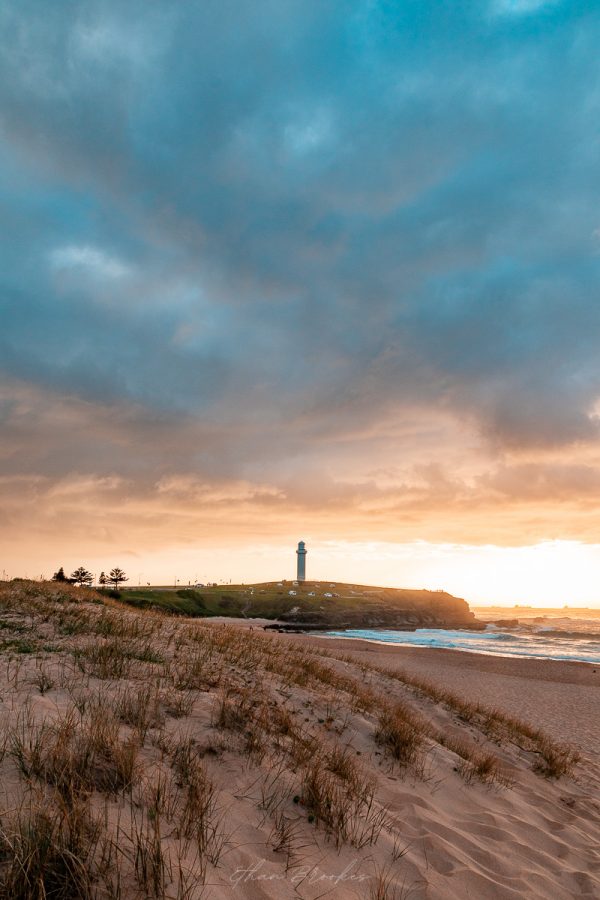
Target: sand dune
[(176, 758), (561, 697)]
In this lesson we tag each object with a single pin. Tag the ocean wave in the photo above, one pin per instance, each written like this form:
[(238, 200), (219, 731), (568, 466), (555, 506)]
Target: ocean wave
[(572, 646), (548, 631), (552, 633)]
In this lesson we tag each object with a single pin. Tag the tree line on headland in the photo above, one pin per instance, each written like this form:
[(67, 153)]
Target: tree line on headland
[(81, 576)]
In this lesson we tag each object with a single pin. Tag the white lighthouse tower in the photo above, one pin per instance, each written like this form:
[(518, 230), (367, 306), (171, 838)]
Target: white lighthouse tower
[(301, 553)]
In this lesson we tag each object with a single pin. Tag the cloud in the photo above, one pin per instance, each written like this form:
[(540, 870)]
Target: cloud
[(523, 7), (274, 257), (88, 259)]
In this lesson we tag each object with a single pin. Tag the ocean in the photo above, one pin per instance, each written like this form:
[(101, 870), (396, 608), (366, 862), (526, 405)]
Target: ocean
[(555, 634)]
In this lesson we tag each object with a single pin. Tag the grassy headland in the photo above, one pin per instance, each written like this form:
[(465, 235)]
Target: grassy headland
[(316, 603)]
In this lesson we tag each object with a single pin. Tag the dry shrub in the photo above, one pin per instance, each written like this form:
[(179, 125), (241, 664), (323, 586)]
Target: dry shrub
[(322, 796), (304, 667), (144, 651), (401, 733), (160, 795), (475, 764), (484, 767), (178, 704), (43, 681), (184, 755), (50, 852), (198, 810), (384, 886), (345, 807), (197, 813), (73, 621), (139, 708), (255, 720), (281, 720), (286, 838), (151, 866), (235, 710), (275, 788), (76, 755), (125, 625), (196, 671), (342, 763), (555, 759), (114, 657), (105, 660)]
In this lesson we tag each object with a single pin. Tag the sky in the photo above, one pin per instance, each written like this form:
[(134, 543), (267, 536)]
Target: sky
[(302, 269)]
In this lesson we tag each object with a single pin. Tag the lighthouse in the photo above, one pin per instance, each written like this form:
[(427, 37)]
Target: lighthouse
[(301, 553)]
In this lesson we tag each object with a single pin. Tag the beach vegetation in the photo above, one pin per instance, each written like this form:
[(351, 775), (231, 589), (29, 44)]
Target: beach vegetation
[(130, 752)]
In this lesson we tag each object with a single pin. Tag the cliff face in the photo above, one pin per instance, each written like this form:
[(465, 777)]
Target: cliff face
[(387, 608)]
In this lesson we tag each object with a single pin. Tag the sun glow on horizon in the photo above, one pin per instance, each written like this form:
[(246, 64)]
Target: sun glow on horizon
[(548, 574)]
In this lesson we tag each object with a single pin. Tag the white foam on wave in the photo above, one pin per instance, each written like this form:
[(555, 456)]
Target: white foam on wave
[(534, 645)]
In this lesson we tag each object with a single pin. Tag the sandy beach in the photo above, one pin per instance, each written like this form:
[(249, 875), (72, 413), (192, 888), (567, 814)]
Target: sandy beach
[(561, 697), (180, 758)]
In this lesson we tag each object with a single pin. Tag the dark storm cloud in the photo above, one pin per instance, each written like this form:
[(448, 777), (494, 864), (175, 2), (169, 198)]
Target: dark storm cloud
[(301, 216)]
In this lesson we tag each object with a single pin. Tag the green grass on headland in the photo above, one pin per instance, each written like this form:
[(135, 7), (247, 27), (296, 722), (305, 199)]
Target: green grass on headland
[(312, 602), (186, 601)]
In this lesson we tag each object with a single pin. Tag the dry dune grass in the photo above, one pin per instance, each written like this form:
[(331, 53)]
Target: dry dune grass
[(144, 756), (552, 759)]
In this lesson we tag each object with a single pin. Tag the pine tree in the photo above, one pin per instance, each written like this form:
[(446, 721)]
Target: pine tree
[(117, 576), (81, 576), (60, 575), (103, 579)]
